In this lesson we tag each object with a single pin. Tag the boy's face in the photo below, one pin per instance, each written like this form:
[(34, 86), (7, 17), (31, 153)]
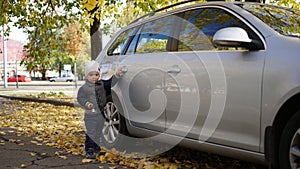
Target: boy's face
[(93, 77)]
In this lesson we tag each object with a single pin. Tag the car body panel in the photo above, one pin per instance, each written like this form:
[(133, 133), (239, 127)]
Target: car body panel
[(280, 80), (202, 146), (243, 72)]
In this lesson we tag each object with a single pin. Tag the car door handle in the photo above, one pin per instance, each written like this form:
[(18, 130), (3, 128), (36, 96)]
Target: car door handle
[(174, 69), (124, 69)]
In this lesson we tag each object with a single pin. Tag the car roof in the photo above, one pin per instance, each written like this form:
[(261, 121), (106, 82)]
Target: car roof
[(158, 13)]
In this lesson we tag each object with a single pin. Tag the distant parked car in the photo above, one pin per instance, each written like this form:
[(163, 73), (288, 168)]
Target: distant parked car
[(63, 78), (21, 78)]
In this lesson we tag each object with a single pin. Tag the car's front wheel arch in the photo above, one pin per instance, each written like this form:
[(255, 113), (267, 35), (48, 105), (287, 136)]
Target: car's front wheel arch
[(272, 141), (289, 146)]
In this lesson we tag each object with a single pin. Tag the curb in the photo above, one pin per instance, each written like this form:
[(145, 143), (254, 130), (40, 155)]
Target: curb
[(54, 102)]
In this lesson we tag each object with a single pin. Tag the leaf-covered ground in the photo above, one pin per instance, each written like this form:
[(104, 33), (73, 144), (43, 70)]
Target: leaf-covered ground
[(62, 127)]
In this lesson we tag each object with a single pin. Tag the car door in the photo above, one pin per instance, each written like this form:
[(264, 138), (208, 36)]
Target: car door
[(143, 57), (219, 89)]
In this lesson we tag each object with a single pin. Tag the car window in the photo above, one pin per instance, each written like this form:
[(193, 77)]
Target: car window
[(119, 45), (156, 35), (132, 45), (151, 42), (199, 25)]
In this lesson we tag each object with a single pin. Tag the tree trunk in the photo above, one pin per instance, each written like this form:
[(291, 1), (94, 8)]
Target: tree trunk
[(96, 39), (59, 69), (44, 74)]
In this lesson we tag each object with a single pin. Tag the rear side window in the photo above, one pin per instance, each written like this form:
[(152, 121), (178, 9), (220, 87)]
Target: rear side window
[(156, 35), (118, 47), (153, 37)]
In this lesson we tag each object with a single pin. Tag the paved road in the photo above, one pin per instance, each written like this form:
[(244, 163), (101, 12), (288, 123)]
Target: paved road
[(40, 83), (69, 88), (21, 152)]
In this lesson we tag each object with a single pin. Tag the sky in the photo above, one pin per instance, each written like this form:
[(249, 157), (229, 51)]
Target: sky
[(17, 34)]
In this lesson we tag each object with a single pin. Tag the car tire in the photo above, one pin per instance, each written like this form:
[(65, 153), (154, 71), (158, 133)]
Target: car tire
[(289, 147), (114, 131)]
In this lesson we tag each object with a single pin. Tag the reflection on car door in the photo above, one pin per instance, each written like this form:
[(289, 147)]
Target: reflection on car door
[(141, 88), (239, 121), (227, 84)]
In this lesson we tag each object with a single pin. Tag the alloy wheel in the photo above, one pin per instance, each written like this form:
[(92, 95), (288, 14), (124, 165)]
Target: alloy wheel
[(295, 151), (111, 127)]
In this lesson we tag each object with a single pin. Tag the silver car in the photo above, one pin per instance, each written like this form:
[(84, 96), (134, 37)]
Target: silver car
[(219, 77), (63, 78)]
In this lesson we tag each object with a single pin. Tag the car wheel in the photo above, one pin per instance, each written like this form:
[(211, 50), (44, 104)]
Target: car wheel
[(289, 147), (114, 129)]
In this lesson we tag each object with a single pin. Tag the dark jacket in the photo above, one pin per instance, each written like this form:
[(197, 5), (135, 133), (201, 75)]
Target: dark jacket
[(93, 93)]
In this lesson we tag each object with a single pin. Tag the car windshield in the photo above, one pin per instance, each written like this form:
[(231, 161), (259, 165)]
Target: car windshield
[(284, 20)]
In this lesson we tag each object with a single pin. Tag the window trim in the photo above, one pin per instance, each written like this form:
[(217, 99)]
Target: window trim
[(126, 45), (173, 46), (137, 29)]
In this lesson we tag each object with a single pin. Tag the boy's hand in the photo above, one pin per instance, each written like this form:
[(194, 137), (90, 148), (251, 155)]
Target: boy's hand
[(89, 105), (119, 71)]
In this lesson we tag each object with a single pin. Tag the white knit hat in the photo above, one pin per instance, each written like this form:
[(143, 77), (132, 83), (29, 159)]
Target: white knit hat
[(91, 66)]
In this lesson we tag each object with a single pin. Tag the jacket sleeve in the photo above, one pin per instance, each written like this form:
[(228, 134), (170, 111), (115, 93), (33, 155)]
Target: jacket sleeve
[(81, 98)]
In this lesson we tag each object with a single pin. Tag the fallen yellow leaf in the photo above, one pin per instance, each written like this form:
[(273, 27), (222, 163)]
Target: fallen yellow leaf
[(85, 160), (63, 157), (2, 133), (23, 166)]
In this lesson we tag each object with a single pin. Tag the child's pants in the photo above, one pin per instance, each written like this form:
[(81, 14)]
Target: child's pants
[(94, 124)]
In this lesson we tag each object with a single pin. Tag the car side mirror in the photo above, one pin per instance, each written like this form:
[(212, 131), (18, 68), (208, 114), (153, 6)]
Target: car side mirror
[(233, 37)]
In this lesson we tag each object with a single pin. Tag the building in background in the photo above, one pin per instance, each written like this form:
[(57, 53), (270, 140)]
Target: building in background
[(14, 56)]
